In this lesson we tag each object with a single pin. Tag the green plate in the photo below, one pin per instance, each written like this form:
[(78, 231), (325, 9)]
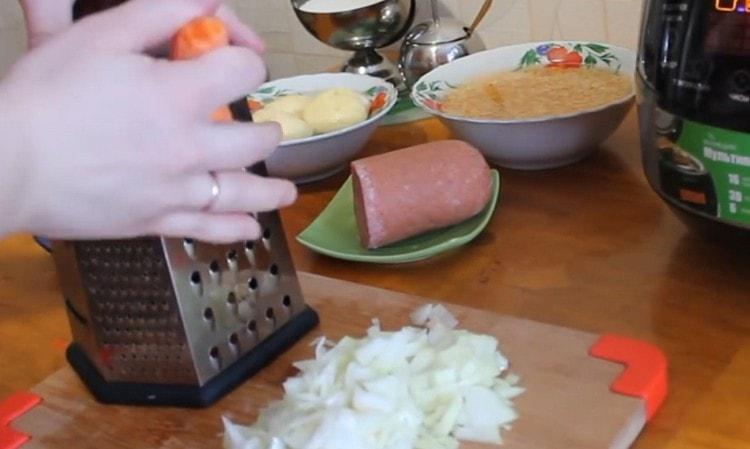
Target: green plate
[(334, 232)]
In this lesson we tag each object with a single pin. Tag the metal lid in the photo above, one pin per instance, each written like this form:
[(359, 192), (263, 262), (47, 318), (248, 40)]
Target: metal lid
[(430, 33)]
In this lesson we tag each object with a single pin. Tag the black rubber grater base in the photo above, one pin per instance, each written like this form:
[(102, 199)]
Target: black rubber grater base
[(192, 396)]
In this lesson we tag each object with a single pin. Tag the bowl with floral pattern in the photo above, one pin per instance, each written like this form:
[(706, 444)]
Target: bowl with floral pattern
[(319, 156), (539, 142)]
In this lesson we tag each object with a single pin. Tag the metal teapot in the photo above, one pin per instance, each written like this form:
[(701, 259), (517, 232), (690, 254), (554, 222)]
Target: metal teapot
[(438, 42)]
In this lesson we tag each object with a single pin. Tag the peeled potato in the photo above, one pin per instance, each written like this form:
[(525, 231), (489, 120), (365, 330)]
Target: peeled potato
[(292, 126), (292, 104), (335, 109)]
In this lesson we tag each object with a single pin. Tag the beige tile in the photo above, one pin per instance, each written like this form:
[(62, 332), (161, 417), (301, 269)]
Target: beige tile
[(281, 65), (317, 63), (278, 42), (11, 14), (506, 23), (12, 45), (543, 24), (270, 19), (568, 19), (446, 8), (582, 20), (623, 22), (264, 16), (467, 9)]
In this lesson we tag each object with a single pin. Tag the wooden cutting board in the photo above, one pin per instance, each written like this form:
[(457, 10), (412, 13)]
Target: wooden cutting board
[(567, 403)]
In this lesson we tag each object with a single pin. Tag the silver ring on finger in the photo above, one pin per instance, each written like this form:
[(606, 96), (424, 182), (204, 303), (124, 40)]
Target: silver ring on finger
[(215, 191)]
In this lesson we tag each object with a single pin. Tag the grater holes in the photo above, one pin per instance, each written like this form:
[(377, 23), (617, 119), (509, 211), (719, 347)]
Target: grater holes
[(215, 357), (232, 299), (208, 314), (196, 283), (189, 246), (250, 252), (234, 343), (214, 270), (270, 314), (287, 301), (252, 327), (232, 260), (274, 270), (252, 284), (267, 238)]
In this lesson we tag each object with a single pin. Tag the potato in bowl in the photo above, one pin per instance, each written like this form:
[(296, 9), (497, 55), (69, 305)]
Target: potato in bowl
[(532, 106), (327, 119)]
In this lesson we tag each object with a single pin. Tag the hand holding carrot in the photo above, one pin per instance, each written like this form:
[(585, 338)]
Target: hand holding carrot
[(99, 140)]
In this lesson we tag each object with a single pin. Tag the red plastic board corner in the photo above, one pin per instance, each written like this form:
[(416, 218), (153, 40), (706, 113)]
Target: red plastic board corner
[(10, 409), (12, 439), (645, 374)]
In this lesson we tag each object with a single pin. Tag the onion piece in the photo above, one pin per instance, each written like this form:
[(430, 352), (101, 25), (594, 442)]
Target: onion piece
[(416, 388)]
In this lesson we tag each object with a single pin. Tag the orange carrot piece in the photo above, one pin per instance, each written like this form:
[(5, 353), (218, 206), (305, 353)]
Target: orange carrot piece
[(223, 114), (254, 105), (198, 37), (378, 102)]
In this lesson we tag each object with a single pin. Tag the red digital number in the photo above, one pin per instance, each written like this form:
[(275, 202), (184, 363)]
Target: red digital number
[(728, 5)]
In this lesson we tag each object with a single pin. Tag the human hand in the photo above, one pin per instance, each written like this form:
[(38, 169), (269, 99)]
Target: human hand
[(117, 144)]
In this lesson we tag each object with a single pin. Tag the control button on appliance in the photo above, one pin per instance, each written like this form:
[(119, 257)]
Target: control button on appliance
[(740, 81), (698, 69)]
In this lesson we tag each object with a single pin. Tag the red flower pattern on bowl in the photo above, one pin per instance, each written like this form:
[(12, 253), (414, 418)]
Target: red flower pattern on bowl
[(559, 56)]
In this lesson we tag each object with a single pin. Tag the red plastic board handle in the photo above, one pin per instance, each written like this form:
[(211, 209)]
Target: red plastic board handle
[(10, 409), (12, 439), (645, 374)]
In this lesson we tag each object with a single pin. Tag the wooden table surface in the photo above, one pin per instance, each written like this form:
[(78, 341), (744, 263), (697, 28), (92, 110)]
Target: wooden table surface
[(589, 246)]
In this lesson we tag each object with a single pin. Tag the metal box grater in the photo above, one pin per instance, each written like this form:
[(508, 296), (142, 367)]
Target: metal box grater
[(175, 321)]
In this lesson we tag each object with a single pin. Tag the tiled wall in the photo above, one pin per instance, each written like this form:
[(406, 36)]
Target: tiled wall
[(292, 50), (12, 33)]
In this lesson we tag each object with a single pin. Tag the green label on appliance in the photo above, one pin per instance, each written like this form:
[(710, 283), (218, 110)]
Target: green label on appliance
[(726, 156)]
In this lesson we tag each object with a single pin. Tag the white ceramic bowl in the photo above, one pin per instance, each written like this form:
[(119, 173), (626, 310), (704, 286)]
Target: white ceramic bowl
[(537, 143), (316, 157)]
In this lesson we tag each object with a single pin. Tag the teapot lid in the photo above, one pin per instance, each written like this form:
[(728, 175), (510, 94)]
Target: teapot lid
[(429, 33)]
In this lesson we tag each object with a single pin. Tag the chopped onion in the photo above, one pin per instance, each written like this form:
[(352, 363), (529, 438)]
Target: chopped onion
[(420, 387)]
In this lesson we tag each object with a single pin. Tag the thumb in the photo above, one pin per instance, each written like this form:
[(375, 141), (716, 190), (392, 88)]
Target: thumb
[(139, 25), (45, 18)]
